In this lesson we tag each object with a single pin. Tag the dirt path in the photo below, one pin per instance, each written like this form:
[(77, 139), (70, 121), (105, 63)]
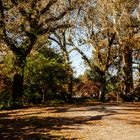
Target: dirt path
[(98, 122)]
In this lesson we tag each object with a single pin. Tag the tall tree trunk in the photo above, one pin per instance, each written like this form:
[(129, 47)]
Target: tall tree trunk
[(128, 71), (17, 87), (67, 59), (103, 88), (70, 86)]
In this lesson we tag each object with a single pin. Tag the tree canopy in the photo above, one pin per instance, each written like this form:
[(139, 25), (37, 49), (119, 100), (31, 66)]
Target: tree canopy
[(29, 28)]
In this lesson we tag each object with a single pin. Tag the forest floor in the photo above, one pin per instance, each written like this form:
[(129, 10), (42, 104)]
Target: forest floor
[(72, 122)]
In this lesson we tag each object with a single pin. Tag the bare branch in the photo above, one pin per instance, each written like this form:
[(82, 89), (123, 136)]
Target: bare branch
[(53, 39), (53, 29), (71, 50), (60, 16), (84, 57), (59, 38)]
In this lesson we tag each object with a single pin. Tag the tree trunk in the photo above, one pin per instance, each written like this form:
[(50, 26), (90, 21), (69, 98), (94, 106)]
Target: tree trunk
[(70, 88), (103, 88), (17, 87), (67, 59), (128, 72)]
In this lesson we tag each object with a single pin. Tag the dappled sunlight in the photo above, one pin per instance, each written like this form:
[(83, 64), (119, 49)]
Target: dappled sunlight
[(24, 127), (63, 122)]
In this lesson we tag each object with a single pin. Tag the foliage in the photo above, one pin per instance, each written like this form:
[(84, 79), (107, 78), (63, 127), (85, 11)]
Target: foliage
[(85, 87), (5, 90), (46, 77), (23, 24), (6, 74), (110, 28)]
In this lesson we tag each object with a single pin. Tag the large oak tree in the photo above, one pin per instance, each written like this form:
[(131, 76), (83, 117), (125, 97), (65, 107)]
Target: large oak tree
[(22, 23)]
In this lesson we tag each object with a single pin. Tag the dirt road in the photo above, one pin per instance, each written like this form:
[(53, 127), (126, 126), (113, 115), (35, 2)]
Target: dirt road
[(98, 122)]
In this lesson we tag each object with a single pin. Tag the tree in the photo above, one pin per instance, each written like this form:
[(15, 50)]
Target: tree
[(126, 31), (104, 53), (110, 27), (22, 24), (86, 87), (60, 38), (46, 76)]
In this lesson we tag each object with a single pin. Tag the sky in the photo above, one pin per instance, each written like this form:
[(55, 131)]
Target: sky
[(78, 63)]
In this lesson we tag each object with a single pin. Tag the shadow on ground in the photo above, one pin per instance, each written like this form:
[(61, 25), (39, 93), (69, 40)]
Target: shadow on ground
[(39, 128), (26, 124)]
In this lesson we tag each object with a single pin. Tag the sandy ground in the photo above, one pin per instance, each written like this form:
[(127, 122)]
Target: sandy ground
[(97, 122)]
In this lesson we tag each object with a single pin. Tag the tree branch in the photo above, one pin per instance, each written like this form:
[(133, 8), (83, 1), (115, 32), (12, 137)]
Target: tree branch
[(53, 39), (5, 37), (60, 16), (86, 59), (32, 38), (109, 50), (33, 5), (59, 38), (51, 2), (15, 2), (52, 30)]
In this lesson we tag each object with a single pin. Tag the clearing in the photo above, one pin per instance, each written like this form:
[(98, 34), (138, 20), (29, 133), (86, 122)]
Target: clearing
[(94, 122)]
